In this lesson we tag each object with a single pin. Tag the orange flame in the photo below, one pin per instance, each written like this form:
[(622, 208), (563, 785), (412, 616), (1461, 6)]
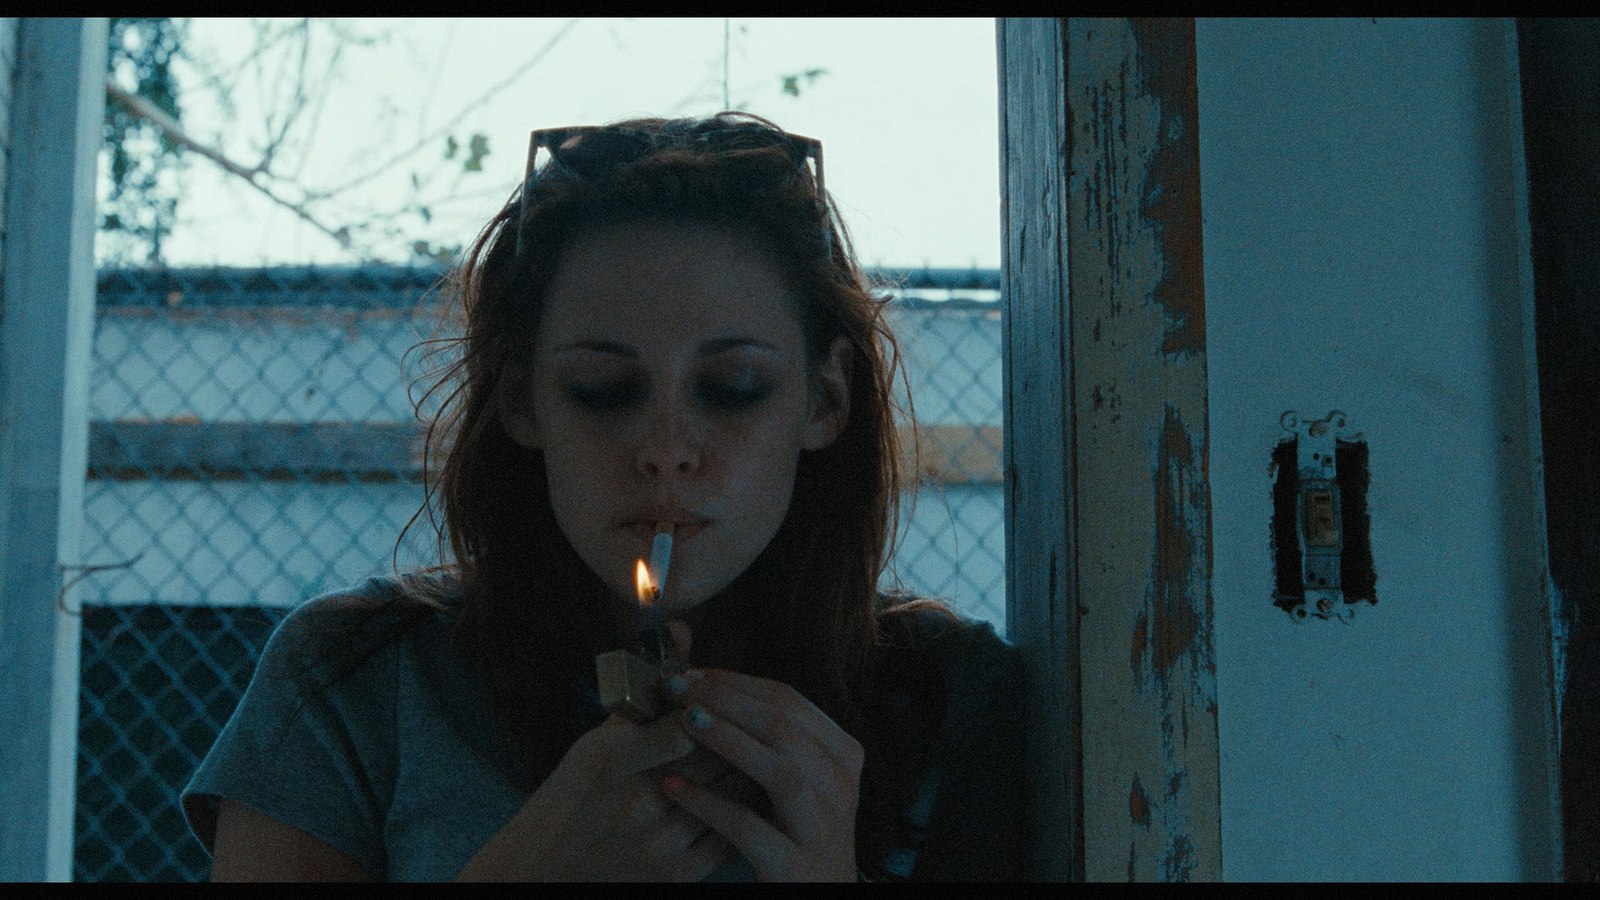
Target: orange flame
[(648, 593)]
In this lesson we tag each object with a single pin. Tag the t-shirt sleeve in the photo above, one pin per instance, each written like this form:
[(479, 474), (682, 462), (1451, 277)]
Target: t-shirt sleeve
[(978, 828), (308, 745)]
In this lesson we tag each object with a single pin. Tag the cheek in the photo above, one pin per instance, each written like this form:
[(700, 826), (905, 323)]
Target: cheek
[(759, 471), (583, 477)]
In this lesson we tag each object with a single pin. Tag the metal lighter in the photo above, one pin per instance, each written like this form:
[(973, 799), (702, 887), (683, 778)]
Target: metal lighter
[(630, 679)]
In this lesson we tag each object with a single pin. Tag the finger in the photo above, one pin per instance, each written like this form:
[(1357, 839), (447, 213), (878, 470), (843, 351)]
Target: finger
[(742, 789), (767, 848), (640, 747), (761, 763), (769, 711), (708, 852), (804, 787), (701, 767), (682, 640), (667, 828)]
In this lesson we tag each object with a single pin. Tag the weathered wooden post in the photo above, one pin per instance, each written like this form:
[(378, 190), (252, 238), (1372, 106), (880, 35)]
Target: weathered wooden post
[(1108, 515), (46, 325)]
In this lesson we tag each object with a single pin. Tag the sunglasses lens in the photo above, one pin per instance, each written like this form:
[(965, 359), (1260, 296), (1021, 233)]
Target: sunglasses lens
[(594, 152)]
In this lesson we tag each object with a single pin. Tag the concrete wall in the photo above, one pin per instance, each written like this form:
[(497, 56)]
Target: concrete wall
[(1365, 250)]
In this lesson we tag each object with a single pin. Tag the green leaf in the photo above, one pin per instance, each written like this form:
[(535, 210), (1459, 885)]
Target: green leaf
[(450, 147), (479, 148), (146, 165), (791, 83)]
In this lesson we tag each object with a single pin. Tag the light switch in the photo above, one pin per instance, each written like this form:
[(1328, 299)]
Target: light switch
[(1317, 549)]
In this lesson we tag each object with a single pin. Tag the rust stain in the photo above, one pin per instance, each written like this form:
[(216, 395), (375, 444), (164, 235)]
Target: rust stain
[(1170, 202), (1137, 285), (1138, 804), (1174, 619), (1140, 644)]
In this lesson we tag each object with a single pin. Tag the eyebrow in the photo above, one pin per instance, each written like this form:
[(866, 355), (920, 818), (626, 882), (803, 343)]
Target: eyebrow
[(707, 348)]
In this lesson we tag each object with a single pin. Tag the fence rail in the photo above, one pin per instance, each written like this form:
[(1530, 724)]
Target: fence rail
[(393, 287)]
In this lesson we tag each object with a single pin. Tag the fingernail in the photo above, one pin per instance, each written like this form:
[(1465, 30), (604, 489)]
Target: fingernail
[(676, 686), (673, 783), (699, 718)]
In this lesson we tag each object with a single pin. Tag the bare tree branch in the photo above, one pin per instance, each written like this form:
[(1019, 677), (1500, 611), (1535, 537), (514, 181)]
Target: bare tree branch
[(449, 126), (146, 110), (297, 104)]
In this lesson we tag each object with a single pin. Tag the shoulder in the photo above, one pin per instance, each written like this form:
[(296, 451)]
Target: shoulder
[(341, 629), (956, 663), (944, 715), (930, 629)]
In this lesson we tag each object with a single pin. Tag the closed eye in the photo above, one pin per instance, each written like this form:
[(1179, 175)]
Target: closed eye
[(606, 397), (729, 395), (732, 396)]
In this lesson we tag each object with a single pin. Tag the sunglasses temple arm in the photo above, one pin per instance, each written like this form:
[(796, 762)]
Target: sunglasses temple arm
[(822, 193), (534, 143)]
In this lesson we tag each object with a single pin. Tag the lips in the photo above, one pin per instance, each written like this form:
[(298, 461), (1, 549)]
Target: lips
[(677, 515), (646, 531), (685, 524)]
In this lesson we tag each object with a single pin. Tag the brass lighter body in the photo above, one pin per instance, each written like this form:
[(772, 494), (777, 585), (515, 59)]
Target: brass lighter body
[(630, 686)]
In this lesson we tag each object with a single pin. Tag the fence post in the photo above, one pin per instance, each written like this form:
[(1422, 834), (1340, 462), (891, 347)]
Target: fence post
[(46, 327)]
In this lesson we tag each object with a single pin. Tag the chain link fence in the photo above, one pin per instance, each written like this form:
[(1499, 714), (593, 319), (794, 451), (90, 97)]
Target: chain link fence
[(253, 444)]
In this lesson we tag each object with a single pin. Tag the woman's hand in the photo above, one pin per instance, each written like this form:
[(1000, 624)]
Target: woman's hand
[(602, 816), (808, 766)]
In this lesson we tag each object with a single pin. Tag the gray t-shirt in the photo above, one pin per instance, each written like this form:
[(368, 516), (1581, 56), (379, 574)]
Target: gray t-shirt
[(395, 760), (398, 764)]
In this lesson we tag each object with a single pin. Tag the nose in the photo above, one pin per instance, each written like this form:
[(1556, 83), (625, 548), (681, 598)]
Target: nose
[(669, 446)]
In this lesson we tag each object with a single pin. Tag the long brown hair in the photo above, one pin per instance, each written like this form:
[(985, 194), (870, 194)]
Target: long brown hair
[(532, 614)]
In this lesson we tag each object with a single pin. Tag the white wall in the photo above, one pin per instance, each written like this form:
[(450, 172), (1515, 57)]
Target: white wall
[(1364, 251)]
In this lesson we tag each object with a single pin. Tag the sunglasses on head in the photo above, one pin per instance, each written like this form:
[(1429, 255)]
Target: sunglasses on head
[(589, 151)]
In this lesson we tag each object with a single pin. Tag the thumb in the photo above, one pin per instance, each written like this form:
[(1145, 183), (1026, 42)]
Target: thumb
[(682, 639), (654, 744)]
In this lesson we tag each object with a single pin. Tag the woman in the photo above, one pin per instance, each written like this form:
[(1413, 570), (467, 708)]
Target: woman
[(665, 325)]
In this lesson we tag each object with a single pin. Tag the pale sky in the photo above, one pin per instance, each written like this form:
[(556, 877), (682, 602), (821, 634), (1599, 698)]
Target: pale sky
[(906, 112)]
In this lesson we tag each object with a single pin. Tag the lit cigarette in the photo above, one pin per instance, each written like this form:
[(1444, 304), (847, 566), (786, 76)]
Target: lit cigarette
[(660, 557)]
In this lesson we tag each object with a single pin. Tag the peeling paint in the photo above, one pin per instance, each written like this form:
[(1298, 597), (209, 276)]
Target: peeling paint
[(1143, 499), (1178, 577), (1179, 863), (1172, 183), (1140, 648), (1138, 804)]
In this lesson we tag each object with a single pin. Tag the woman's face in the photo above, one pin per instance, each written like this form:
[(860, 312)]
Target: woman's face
[(669, 383)]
